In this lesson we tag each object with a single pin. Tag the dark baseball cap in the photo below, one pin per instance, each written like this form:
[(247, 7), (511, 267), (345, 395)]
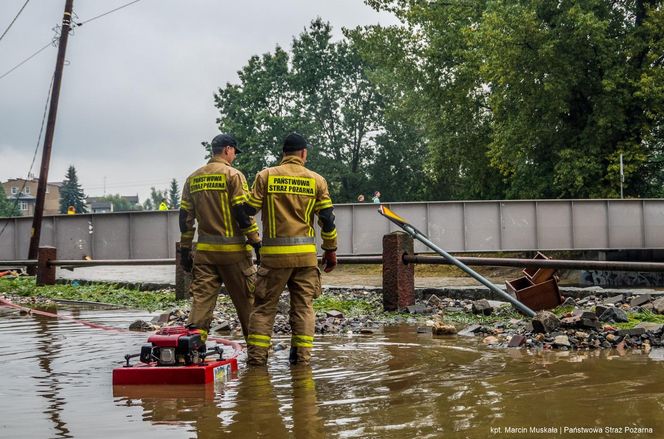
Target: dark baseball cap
[(295, 142), (222, 140)]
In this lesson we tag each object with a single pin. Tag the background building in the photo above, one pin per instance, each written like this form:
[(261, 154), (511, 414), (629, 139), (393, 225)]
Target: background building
[(26, 193)]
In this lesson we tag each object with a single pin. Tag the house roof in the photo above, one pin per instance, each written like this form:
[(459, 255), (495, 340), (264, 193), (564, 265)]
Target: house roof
[(130, 198), (101, 205)]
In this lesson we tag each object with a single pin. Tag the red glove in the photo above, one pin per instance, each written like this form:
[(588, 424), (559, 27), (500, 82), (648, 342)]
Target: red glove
[(329, 260)]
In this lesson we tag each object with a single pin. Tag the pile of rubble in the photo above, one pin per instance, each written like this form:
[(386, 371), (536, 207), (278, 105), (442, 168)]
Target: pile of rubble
[(328, 321), (589, 323)]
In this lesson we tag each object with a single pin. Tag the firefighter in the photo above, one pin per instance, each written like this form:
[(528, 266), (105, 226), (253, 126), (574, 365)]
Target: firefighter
[(214, 196), (289, 195)]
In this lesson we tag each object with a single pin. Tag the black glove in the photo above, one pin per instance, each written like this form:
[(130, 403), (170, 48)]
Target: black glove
[(186, 260), (257, 249)]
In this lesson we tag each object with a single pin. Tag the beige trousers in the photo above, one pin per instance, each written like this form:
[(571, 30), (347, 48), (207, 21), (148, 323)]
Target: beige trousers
[(239, 279), (304, 286)]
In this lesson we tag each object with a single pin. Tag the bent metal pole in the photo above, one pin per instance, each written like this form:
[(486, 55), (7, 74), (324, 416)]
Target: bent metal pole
[(412, 231)]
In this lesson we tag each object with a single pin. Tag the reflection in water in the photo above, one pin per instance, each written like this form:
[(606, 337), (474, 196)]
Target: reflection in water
[(257, 411), (306, 420), (48, 347), (56, 382), (185, 405), (254, 409)]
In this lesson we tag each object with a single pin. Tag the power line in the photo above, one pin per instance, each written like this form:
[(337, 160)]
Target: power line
[(53, 41), (106, 13), (34, 155), (27, 59), (12, 23)]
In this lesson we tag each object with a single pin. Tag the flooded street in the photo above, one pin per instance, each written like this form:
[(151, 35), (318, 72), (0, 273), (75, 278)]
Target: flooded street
[(55, 382)]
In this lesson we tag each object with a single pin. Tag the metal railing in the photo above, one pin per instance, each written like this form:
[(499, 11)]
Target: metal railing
[(569, 264), (457, 226)]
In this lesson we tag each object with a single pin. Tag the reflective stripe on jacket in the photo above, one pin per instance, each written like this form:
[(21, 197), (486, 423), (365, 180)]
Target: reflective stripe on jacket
[(289, 195), (208, 197)]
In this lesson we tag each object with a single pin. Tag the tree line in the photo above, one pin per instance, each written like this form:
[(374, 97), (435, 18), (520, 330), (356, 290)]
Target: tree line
[(494, 99)]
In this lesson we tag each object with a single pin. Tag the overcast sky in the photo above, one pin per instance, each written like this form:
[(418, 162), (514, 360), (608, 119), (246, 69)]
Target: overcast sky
[(137, 93)]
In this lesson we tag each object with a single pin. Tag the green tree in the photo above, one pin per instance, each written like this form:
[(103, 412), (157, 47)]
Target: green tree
[(322, 90), (155, 198), (529, 98), (174, 195), (258, 111), (147, 204), (340, 108), (433, 91), (71, 193), (7, 206), (120, 204)]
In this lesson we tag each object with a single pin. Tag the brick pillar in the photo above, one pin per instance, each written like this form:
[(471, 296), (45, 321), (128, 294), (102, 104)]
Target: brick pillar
[(398, 278), (182, 278), (46, 272)]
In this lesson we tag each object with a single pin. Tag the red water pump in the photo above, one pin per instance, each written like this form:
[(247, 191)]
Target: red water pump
[(176, 355), (173, 346)]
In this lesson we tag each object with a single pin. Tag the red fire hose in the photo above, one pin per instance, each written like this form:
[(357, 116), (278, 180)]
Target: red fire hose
[(237, 347)]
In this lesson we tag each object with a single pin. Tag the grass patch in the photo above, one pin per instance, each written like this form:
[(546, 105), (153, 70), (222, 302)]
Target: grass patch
[(562, 310), (105, 293), (639, 317), (465, 319), (349, 307)]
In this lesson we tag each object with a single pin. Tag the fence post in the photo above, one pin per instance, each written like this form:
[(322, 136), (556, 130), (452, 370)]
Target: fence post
[(398, 278), (182, 278), (46, 272)]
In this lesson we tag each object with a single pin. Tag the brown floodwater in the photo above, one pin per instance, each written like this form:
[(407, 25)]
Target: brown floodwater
[(55, 382)]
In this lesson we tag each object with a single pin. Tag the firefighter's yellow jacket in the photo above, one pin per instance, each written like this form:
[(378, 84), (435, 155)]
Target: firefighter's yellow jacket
[(210, 196), (289, 195)]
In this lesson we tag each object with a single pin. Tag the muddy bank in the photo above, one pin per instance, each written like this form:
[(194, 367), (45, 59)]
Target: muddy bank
[(594, 322)]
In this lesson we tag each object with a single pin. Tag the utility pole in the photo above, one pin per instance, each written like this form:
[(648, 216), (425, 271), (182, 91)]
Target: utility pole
[(48, 137)]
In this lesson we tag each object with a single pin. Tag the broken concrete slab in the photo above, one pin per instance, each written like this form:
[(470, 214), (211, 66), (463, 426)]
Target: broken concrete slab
[(482, 307), (516, 341), (651, 327), (336, 314), (599, 309), (545, 321), (561, 340), (631, 332), (640, 300), (161, 319), (614, 314), (658, 306), (470, 331), (585, 315), (614, 300)]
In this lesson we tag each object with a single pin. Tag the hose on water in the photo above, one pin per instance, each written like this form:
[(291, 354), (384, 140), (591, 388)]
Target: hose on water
[(237, 347)]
